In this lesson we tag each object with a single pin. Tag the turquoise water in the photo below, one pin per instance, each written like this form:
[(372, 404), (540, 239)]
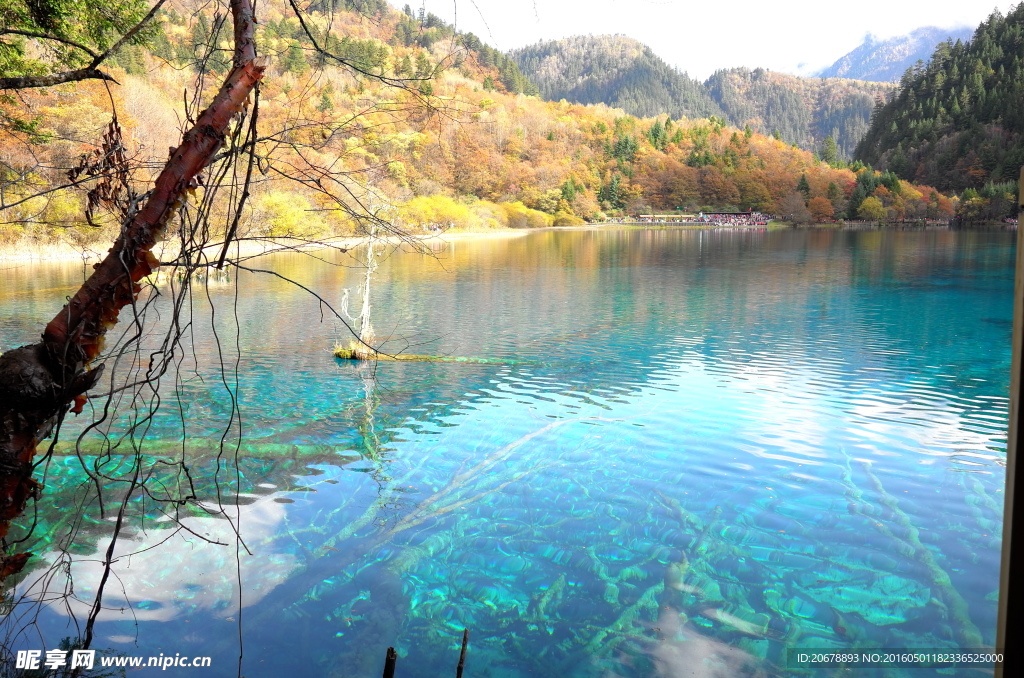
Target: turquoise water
[(693, 452)]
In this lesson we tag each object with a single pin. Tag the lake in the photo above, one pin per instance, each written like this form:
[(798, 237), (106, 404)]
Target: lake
[(686, 451)]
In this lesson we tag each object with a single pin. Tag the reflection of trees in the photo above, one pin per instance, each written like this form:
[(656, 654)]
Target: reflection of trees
[(679, 293)]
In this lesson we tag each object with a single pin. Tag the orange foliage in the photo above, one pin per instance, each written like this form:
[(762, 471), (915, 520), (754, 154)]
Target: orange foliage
[(821, 209), (472, 144)]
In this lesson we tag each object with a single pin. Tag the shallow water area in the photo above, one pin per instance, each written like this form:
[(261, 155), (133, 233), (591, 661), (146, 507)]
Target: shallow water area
[(691, 451)]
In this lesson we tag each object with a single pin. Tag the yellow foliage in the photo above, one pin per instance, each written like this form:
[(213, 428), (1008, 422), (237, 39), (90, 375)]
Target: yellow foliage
[(398, 172), (78, 117), (440, 212), (11, 234), (872, 209), (519, 215), (285, 213), (488, 215), (566, 219), (524, 149), (436, 212), (908, 191), (64, 207)]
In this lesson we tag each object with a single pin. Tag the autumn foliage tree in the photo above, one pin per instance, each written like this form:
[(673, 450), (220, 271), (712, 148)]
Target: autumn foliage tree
[(821, 209), (503, 148), (872, 209), (40, 383)]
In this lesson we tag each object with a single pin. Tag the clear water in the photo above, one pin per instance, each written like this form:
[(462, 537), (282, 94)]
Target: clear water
[(692, 452)]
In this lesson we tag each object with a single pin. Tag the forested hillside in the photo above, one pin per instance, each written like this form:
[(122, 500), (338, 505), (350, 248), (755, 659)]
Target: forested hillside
[(624, 73), (614, 70), (887, 60), (438, 129), (957, 121), (804, 111)]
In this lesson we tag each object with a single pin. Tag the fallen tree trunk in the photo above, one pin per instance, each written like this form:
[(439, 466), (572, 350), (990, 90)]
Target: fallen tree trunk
[(40, 382)]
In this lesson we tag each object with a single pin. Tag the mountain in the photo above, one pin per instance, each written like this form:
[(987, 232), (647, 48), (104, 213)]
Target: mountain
[(803, 111), (614, 70), (626, 74), (956, 122), (887, 60), (441, 126)]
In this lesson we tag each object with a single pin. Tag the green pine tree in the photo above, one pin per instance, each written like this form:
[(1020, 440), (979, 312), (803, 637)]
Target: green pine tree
[(325, 105), (803, 186), (830, 151)]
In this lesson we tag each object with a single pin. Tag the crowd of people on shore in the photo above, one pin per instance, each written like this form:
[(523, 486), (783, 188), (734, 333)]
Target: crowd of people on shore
[(734, 219), (729, 219)]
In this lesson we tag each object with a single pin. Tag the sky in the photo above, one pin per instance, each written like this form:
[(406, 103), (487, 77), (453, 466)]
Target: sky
[(699, 37)]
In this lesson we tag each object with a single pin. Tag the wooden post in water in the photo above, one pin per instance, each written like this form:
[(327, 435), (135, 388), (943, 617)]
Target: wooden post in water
[(462, 655), (389, 663), (1011, 594)]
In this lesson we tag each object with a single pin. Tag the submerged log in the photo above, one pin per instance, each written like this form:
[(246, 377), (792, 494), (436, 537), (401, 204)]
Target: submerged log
[(362, 353), (965, 630), (196, 451)]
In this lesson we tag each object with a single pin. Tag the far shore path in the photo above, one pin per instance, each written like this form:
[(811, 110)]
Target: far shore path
[(248, 248), (31, 253)]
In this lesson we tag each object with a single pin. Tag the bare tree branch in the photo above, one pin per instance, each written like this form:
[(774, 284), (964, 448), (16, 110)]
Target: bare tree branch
[(29, 81), (50, 36), (90, 72)]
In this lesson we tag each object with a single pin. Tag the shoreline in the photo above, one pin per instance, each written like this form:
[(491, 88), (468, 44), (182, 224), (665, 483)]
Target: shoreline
[(64, 252), (246, 248)]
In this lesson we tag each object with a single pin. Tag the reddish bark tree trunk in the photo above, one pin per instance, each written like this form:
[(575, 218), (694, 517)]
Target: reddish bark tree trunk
[(39, 382)]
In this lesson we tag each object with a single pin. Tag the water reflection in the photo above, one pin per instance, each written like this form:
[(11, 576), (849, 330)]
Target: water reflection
[(699, 449)]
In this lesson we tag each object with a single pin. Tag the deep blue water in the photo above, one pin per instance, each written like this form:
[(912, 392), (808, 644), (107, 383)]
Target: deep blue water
[(693, 452)]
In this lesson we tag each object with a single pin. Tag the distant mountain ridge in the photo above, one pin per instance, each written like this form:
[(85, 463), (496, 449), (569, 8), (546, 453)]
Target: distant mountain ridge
[(802, 111), (614, 70), (887, 60), (956, 121), (624, 73)]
